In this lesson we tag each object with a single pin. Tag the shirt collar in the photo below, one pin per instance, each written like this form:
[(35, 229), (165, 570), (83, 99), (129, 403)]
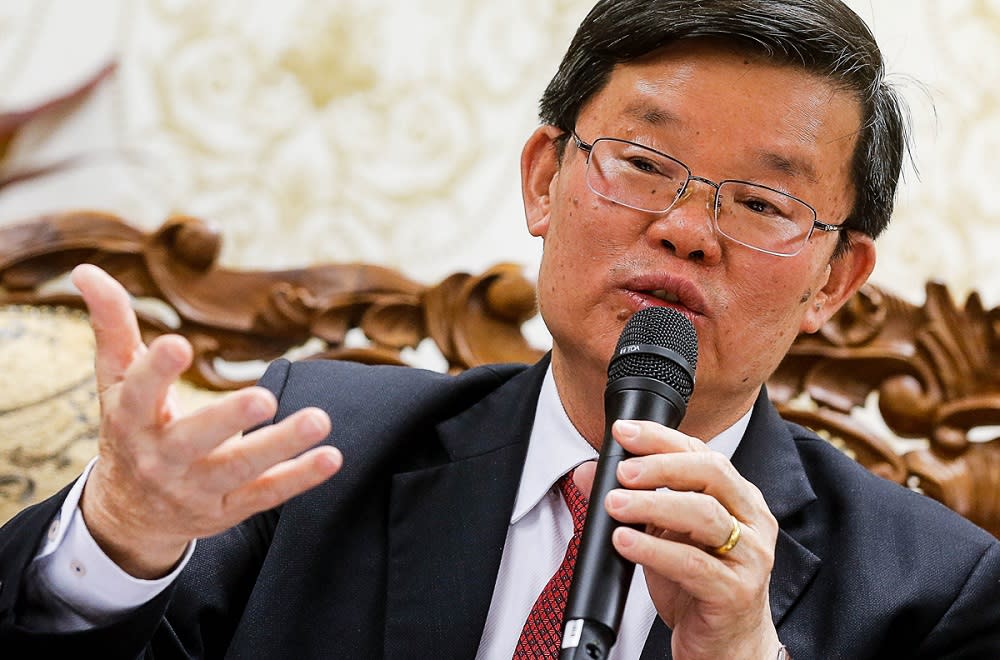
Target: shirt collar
[(556, 447)]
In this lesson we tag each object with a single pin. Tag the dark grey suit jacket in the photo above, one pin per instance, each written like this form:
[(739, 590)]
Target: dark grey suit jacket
[(397, 556)]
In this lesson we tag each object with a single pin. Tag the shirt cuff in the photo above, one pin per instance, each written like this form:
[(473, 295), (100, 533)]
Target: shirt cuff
[(78, 581)]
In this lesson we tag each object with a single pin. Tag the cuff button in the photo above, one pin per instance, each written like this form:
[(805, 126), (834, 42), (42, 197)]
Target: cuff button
[(78, 568)]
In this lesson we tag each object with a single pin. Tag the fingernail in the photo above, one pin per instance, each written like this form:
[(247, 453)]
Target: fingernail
[(258, 408), (617, 499), (312, 423), (328, 461), (170, 354), (627, 428), (627, 536), (629, 470)]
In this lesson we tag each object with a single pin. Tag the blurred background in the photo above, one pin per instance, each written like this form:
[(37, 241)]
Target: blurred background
[(389, 132)]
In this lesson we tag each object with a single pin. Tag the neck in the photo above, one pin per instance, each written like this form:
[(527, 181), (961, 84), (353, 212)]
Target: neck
[(708, 416), (580, 385)]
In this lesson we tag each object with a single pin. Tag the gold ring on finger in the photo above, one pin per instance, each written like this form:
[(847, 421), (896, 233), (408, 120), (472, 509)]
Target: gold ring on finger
[(734, 538)]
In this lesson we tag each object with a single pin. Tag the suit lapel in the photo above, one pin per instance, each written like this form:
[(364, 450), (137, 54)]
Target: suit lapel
[(768, 458), (448, 524), (657, 642)]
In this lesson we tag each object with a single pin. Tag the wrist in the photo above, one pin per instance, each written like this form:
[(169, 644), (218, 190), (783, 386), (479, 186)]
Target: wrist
[(767, 646), (143, 554)]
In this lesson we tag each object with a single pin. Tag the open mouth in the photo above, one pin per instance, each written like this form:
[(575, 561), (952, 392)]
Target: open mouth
[(663, 295), (667, 290)]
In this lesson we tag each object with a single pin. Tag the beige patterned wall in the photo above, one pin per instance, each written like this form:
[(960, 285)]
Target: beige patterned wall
[(389, 131)]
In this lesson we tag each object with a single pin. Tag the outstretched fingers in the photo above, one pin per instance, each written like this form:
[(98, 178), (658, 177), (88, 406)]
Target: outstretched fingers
[(243, 459), (283, 481), (143, 393), (116, 329), (194, 436)]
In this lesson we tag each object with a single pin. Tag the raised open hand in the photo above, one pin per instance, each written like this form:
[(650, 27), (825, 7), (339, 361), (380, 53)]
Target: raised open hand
[(164, 478)]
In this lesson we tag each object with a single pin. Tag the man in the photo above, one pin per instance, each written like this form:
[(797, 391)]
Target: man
[(733, 160)]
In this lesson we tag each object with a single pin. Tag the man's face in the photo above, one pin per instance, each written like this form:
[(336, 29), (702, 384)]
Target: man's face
[(726, 115)]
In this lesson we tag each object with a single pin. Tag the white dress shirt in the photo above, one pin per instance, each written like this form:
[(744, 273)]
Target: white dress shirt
[(541, 526), (81, 587)]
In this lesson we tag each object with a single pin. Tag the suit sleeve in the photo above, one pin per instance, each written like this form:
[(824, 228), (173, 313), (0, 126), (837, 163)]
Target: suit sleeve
[(970, 628)]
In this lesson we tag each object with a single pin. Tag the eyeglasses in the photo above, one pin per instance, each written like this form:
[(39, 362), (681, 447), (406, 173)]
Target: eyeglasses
[(753, 215)]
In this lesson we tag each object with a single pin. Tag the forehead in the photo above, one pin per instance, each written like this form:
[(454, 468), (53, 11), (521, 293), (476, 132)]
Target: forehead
[(729, 113)]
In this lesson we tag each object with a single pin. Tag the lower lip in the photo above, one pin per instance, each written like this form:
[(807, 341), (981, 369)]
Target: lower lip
[(642, 300)]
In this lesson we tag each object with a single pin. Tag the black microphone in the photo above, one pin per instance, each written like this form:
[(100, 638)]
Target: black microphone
[(650, 377)]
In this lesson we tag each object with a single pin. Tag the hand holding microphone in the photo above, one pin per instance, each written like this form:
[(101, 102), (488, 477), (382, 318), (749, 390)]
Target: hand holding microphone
[(650, 377), (709, 588)]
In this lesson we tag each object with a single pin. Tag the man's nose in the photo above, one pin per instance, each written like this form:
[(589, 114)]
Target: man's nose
[(688, 228)]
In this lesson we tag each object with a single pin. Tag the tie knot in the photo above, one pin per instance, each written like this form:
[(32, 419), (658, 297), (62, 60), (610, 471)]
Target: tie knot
[(575, 501)]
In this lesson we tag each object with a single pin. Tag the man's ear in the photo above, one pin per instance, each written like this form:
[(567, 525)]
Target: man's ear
[(539, 169), (846, 273)]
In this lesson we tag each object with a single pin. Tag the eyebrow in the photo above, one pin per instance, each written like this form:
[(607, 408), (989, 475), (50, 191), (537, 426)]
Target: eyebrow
[(794, 167), (651, 114)]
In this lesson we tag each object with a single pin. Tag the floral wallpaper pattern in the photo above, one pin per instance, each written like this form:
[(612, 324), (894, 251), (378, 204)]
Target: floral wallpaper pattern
[(372, 130)]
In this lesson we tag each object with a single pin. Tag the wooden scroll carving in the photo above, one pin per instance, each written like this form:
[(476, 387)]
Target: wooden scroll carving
[(256, 315), (935, 370), (928, 375)]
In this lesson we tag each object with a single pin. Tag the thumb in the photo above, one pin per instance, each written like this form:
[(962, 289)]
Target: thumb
[(583, 477)]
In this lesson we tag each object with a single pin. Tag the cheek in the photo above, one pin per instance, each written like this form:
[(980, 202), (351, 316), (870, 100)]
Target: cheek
[(574, 258), (777, 287), (588, 237), (764, 308)]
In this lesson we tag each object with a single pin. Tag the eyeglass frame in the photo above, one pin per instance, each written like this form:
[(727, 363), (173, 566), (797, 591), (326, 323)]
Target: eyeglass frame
[(588, 148)]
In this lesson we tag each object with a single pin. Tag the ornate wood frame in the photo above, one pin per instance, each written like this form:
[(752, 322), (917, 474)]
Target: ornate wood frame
[(930, 374)]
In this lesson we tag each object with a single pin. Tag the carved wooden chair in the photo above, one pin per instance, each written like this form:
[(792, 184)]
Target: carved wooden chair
[(911, 392)]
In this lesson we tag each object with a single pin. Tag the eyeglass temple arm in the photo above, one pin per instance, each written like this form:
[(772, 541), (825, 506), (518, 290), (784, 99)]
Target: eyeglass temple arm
[(822, 226)]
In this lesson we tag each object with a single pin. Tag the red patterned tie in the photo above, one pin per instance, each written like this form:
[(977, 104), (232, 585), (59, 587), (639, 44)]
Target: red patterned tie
[(541, 636)]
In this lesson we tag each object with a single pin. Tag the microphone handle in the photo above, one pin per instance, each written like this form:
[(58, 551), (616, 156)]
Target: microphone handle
[(602, 577)]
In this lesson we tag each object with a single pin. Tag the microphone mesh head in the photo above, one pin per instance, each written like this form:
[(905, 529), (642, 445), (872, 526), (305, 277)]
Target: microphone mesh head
[(666, 328)]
